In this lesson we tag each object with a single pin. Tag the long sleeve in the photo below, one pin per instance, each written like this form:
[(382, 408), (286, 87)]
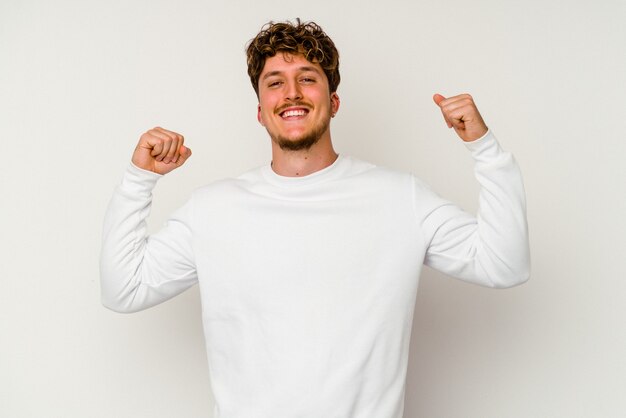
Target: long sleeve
[(491, 249), (138, 271)]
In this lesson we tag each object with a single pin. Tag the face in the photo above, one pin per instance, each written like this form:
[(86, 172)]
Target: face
[(295, 104)]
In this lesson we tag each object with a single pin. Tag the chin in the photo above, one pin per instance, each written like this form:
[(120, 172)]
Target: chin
[(298, 144), (303, 142)]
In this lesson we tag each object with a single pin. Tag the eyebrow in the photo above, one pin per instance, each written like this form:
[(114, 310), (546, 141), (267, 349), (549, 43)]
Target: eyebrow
[(302, 69)]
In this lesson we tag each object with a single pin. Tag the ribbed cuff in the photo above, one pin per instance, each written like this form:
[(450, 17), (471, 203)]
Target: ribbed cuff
[(485, 148), (138, 180)]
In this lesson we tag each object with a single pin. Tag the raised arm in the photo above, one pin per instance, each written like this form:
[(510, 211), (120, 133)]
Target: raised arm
[(490, 249), (136, 270)]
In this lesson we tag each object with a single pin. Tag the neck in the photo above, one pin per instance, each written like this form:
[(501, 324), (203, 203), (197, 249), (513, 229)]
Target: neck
[(304, 162)]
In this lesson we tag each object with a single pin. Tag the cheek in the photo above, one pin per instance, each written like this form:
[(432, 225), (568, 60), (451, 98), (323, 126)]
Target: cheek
[(266, 107), (263, 112)]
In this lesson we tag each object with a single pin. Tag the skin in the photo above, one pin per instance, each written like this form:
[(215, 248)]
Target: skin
[(160, 151), (460, 112), (290, 82)]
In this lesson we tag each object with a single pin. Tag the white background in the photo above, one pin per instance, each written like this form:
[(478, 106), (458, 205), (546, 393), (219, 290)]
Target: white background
[(81, 80)]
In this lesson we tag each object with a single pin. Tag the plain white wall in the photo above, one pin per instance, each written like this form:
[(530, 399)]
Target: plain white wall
[(81, 80)]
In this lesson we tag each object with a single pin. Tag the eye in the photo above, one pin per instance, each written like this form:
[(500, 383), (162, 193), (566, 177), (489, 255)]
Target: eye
[(275, 83), (307, 80)]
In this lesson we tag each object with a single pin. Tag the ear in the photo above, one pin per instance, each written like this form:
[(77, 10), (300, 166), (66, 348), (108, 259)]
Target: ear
[(334, 103), (258, 115)]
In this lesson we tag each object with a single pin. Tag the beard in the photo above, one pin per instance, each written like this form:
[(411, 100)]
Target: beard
[(305, 141)]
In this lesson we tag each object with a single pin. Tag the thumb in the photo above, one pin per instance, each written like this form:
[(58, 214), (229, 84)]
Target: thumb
[(184, 154), (438, 98)]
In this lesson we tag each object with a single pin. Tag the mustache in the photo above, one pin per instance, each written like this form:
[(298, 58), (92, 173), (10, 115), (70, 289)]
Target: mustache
[(294, 104)]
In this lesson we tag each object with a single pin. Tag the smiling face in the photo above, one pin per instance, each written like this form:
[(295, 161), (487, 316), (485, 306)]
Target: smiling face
[(295, 104)]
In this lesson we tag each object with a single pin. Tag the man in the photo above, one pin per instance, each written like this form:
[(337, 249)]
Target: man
[(308, 267)]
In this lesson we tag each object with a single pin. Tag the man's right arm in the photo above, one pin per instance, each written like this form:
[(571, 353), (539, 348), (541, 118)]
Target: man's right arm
[(138, 271)]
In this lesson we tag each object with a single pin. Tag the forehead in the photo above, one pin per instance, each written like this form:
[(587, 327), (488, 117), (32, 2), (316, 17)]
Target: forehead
[(284, 62)]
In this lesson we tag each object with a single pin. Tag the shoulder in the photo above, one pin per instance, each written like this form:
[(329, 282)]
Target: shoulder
[(374, 172), (392, 182), (228, 186), (384, 178)]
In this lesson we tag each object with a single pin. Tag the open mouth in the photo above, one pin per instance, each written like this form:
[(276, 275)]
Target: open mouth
[(294, 113)]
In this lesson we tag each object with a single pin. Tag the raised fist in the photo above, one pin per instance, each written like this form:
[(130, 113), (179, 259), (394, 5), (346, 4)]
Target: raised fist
[(460, 112), (160, 151)]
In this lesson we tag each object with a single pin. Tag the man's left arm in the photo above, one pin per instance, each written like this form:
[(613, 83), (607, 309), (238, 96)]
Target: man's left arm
[(491, 249)]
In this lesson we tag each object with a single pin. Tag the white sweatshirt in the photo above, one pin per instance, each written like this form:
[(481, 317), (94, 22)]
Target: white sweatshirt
[(308, 284)]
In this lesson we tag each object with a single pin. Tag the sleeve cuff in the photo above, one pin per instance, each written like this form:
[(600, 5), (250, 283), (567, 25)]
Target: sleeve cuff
[(485, 148), (138, 180)]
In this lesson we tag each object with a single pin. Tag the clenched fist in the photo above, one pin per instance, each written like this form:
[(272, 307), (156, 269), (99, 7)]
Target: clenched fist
[(461, 113), (160, 151)]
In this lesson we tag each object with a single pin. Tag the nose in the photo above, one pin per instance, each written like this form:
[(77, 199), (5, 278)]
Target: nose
[(293, 92)]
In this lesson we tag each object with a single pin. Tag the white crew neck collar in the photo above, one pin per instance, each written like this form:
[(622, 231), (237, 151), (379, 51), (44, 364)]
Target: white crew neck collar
[(328, 173)]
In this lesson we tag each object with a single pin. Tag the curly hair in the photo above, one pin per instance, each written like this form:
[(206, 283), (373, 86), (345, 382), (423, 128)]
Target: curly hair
[(307, 39)]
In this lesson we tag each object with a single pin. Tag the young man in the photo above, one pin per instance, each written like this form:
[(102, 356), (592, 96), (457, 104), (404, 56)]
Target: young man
[(308, 267)]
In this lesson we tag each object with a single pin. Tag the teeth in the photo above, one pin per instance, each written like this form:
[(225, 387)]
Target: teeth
[(298, 112)]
